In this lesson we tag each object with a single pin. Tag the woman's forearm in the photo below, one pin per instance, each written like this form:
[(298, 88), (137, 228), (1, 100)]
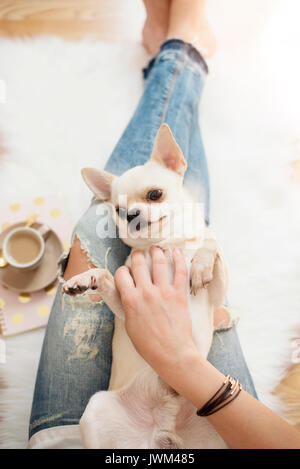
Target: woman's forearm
[(159, 325), (245, 422)]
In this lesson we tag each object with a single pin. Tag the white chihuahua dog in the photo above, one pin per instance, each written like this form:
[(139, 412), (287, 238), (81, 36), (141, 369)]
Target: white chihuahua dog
[(139, 410)]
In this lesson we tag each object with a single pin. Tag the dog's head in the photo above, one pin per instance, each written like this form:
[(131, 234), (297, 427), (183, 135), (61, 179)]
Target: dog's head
[(145, 198)]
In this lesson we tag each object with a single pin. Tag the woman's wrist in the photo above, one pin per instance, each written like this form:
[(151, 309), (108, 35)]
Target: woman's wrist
[(189, 359), (197, 380)]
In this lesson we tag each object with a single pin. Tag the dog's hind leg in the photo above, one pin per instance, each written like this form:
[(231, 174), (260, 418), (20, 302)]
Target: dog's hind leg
[(115, 420), (104, 423), (140, 415)]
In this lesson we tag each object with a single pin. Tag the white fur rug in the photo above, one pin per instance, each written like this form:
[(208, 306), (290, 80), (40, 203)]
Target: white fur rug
[(66, 106)]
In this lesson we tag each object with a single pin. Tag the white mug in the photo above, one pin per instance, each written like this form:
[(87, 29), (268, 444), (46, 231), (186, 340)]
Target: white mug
[(39, 235)]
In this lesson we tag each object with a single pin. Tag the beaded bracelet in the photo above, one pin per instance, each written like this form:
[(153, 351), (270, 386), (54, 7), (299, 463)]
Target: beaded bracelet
[(229, 390)]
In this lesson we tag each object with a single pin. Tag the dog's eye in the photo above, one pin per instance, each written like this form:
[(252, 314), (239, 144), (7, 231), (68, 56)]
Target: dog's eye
[(154, 194), (121, 211)]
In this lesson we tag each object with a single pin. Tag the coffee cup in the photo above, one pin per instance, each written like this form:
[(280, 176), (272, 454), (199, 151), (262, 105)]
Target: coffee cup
[(24, 247)]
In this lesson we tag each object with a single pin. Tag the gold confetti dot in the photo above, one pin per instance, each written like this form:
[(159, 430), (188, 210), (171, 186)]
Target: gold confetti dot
[(43, 311), (14, 207), (31, 219), (5, 225), (2, 303), (55, 212), (18, 318), (51, 289), (39, 201), (66, 246), (24, 297)]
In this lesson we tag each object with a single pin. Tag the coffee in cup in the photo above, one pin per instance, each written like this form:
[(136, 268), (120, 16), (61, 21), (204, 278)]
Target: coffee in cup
[(23, 248)]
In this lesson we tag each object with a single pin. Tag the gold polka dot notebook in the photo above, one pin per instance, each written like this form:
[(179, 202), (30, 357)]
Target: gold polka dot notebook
[(23, 311)]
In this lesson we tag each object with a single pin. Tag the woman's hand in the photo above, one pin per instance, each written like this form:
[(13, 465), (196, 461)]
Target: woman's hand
[(156, 312), (159, 325)]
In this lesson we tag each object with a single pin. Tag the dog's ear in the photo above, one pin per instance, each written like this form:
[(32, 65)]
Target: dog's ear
[(99, 182), (167, 152)]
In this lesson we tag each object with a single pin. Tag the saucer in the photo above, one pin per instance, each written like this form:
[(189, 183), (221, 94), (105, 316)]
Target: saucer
[(43, 275)]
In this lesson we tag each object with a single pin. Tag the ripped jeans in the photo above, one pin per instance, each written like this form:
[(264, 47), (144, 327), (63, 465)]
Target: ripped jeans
[(76, 356)]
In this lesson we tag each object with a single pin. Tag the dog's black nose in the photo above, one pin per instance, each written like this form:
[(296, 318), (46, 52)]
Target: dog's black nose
[(132, 214)]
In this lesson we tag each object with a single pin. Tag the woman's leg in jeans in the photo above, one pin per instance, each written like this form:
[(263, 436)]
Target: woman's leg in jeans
[(180, 111), (76, 356)]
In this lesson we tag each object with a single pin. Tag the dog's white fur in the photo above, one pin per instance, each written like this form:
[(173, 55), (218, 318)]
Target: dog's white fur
[(140, 410)]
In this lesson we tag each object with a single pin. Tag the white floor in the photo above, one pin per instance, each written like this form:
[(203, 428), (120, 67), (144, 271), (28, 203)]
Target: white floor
[(66, 106)]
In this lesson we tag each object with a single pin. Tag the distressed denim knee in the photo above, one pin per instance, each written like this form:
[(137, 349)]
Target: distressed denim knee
[(76, 355), (98, 238)]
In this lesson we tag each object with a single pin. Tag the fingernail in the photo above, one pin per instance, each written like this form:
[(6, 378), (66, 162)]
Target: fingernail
[(155, 247)]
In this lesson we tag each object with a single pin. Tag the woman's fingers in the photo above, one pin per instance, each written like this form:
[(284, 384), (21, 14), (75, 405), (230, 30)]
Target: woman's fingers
[(180, 271), (160, 271), (124, 281), (140, 274), (139, 269)]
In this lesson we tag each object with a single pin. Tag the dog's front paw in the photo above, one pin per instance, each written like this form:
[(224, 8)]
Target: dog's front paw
[(200, 277), (83, 282), (201, 269)]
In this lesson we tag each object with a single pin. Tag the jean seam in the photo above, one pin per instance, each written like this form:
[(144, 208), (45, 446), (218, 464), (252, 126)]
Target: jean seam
[(186, 86), (179, 63)]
